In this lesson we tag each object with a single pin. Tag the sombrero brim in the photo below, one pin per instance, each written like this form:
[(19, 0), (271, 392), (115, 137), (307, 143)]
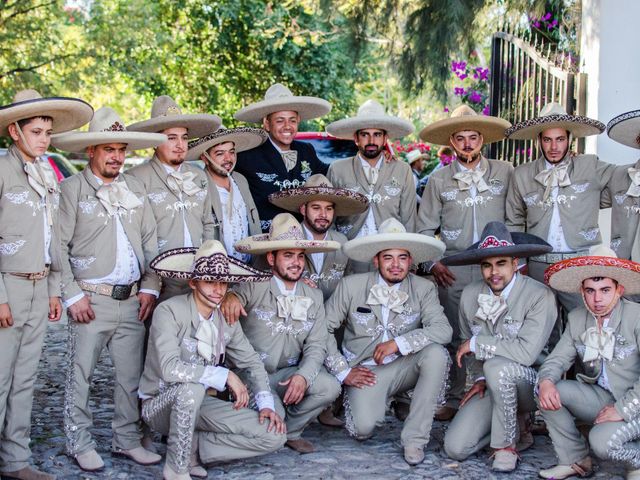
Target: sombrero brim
[(491, 128), (347, 127), (307, 108), (526, 245), (568, 275), (259, 244), (578, 125), (346, 201), (177, 263), (422, 247), (244, 138), (78, 142), (197, 124), (625, 129), (67, 113)]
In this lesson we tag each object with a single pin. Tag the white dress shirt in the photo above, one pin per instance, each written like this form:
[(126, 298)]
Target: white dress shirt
[(316, 258), (473, 191), (556, 238), (369, 227), (187, 236), (237, 227)]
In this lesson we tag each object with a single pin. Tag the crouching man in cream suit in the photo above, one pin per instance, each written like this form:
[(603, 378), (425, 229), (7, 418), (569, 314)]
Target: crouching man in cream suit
[(191, 349), (603, 339), (395, 332)]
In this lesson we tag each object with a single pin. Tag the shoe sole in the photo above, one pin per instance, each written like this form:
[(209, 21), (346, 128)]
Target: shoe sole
[(124, 455)]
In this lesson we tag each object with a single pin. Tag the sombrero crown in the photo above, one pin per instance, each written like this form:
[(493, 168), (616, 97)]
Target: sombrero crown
[(279, 98), (318, 187), (243, 138), (67, 113), (106, 127), (554, 115), (285, 233), (497, 241), (210, 262), (370, 115), (465, 118), (393, 234), (166, 113), (568, 275)]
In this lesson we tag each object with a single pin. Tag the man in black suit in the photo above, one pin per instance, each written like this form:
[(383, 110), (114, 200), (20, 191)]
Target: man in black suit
[(281, 162)]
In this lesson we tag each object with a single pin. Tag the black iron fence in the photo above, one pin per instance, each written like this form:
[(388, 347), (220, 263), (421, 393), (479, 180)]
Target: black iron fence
[(524, 77)]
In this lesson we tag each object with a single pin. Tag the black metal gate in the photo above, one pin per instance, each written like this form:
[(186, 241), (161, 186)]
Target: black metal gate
[(523, 80)]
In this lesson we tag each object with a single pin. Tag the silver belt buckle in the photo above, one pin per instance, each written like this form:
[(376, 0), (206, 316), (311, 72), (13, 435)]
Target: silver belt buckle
[(121, 292)]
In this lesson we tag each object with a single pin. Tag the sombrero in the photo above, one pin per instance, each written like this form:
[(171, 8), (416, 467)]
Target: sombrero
[(279, 98), (106, 127), (370, 115), (414, 156), (285, 233), (165, 113), (244, 138), (67, 113), (625, 129), (210, 262), (318, 187), (497, 241), (393, 234), (554, 115), (461, 119), (568, 275)]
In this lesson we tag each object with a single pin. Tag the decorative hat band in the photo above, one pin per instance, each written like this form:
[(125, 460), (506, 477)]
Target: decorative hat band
[(216, 264), (492, 242), (172, 110), (294, 233), (115, 127)]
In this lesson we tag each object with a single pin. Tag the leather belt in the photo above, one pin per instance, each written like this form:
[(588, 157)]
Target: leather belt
[(34, 275), (117, 292), (558, 257)]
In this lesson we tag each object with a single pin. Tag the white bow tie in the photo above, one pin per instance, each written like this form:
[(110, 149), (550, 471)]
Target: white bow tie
[(117, 195), (211, 338), (290, 158), (598, 344), (634, 188), (293, 306), (467, 178), (41, 177), (556, 176), (490, 307), (182, 183), (388, 297)]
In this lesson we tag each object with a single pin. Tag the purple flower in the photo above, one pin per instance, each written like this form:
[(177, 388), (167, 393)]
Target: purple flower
[(462, 76), (482, 73), (446, 109), (475, 97), (486, 111), (458, 91), (547, 16)]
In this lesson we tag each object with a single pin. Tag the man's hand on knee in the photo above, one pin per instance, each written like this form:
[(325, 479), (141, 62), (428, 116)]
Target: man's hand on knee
[(276, 424), (608, 413), (549, 395), (239, 390), (478, 388), (360, 377), (297, 386)]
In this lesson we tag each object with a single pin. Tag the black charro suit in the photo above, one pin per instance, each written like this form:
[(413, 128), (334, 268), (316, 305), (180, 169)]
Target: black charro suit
[(265, 172)]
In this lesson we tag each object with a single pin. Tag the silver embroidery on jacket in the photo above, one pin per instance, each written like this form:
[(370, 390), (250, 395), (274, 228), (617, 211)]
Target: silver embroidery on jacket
[(81, 263), (11, 248), (451, 234), (589, 234), (580, 188), (267, 177), (157, 197), (17, 198)]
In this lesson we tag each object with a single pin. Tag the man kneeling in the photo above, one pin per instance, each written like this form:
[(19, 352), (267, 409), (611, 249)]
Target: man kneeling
[(183, 375), (395, 330), (505, 321), (603, 340)]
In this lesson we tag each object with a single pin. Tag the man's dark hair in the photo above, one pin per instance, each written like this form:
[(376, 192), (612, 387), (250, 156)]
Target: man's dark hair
[(599, 279), (27, 121)]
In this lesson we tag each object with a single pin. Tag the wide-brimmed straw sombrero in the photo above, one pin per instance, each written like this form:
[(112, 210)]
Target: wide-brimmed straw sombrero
[(497, 241), (243, 138), (318, 187), (210, 262), (568, 275), (285, 233), (625, 129), (414, 156), (279, 98), (461, 119), (393, 234), (67, 113), (106, 127), (371, 115), (554, 115), (165, 113)]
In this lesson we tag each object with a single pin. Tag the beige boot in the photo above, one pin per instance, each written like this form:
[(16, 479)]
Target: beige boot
[(633, 475), (169, 474), (29, 473), (413, 455), (583, 468), (505, 460), (139, 455), (90, 461), (195, 467)]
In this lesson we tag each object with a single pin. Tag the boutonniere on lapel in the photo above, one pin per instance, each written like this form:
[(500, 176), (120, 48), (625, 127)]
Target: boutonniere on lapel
[(304, 167)]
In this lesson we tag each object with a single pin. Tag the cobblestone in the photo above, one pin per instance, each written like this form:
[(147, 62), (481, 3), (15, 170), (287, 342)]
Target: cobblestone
[(337, 457)]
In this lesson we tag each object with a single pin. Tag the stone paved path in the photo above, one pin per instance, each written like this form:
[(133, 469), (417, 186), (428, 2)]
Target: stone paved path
[(338, 456)]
